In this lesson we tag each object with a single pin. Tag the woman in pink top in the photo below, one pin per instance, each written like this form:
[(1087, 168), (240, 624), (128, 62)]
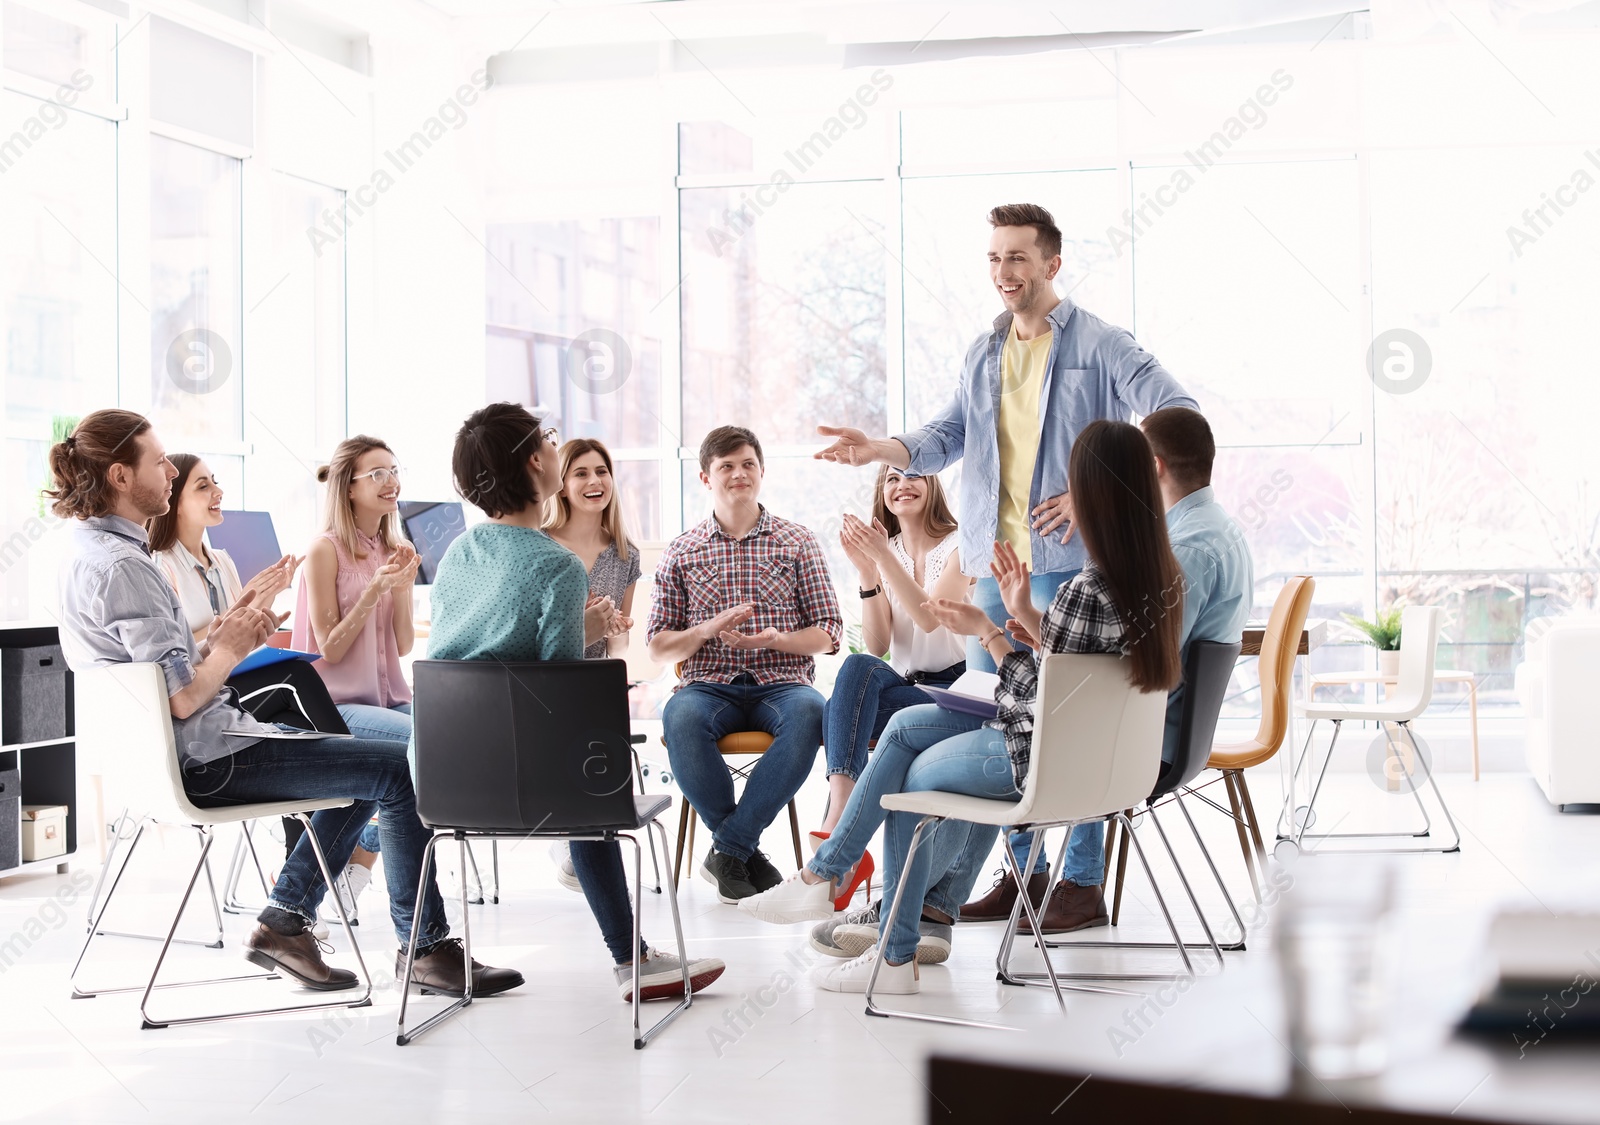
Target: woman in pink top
[(354, 608)]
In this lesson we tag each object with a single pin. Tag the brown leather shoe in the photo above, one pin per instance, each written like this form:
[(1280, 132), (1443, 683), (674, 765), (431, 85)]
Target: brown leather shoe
[(299, 957), (996, 905), (1070, 908), (443, 971)]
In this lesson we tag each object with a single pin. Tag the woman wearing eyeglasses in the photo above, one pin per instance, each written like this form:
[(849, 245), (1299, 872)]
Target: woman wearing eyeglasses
[(355, 608)]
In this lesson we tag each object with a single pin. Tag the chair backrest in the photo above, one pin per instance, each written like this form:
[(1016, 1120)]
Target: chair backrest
[(1419, 646), (1279, 644), (1207, 671), (524, 746), (1096, 740), (124, 724)]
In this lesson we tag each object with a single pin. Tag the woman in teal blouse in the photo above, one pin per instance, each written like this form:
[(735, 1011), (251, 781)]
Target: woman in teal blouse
[(506, 591)]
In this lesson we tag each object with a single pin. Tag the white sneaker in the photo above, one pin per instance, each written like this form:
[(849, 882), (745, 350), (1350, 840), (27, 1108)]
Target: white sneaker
[(933, 940), (852, 976), (561, 856), (661, 976), (793, 900), (319, 928), (350, 885)]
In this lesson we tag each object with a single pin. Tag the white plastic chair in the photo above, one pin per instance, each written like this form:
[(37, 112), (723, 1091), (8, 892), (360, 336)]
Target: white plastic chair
[(1096, 753), (1419, 643), (124, 718)]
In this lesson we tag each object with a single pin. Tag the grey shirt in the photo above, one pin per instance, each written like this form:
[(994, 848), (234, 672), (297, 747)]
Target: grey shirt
[(118, 608), (611, 576)]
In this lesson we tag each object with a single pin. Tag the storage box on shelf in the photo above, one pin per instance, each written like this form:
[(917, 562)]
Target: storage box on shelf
[(38, 754)]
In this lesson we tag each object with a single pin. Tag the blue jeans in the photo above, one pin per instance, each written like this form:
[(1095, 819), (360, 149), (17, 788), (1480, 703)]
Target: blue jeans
[(368, 721), (866, 694), (910, 734), (1086, 850), (374, 775), (975, 763), (598, 865), (700, 713)]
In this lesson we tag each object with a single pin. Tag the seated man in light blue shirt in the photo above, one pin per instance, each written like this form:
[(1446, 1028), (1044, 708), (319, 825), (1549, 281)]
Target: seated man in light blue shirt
[(1218, 584)]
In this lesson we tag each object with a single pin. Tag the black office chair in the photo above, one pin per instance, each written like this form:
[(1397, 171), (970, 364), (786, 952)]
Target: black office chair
[(540, 749), (1207, 671)]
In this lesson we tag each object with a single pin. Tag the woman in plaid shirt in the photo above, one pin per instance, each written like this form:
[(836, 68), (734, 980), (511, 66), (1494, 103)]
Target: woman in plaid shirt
[(1127, 600)]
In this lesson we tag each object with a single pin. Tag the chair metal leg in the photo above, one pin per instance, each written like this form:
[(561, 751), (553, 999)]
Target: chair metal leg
[(1392, 750), (365, 999), (105, 865), (641, 1040), (894, 909), (494, 864), (1285, 825), (402, 1036), (216, 912), (1177, 940)]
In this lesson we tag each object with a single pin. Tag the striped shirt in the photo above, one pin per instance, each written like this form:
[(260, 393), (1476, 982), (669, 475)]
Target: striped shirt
[(1080, 618), (778, 567)]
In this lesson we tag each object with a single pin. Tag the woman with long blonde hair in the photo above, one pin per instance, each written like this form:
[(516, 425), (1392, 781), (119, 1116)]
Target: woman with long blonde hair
[(585, 517), (354, 608)]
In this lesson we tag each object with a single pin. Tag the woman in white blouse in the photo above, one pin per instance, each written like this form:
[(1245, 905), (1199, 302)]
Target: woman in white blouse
[(204, 577), (905, 557)]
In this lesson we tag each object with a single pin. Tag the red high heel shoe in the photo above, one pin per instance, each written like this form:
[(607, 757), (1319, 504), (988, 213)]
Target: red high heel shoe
[(861, 874)]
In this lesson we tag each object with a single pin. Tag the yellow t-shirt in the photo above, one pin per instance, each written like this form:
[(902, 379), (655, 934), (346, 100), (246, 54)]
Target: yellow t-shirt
[(1022, 365)]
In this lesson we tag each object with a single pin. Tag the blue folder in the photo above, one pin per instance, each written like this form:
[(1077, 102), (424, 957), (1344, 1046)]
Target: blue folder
[(266, 656)]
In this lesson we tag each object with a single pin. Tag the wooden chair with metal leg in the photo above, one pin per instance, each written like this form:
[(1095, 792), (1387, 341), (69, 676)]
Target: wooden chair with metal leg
[(740, 743), (529, 750), (1275, 668), (123, 715)]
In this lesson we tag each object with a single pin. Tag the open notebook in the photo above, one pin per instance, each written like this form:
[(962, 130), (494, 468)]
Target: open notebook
[(971, 694)]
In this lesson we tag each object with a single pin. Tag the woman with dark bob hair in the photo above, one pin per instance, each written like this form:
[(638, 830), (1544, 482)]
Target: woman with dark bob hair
[(505, 590)]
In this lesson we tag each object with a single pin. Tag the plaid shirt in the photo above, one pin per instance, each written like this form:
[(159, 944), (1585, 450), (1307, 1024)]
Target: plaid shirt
[(1081, 618), (778, 568)]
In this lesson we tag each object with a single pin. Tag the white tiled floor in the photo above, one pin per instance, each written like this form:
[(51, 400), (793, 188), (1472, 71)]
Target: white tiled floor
[(559, 1048)]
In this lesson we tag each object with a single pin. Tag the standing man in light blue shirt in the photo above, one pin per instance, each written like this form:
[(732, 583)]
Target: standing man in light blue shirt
[(1011, 489)]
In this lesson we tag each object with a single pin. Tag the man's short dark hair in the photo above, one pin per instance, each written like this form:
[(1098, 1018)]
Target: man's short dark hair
[(1046, 233), (490, 463), (1182, 439), (725, 440)]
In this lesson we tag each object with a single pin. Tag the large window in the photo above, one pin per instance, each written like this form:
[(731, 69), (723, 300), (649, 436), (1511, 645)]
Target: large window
[(575, 322), (58, 302), (196, 306)]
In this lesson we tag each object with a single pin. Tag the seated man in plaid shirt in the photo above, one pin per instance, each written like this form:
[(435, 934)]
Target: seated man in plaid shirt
[(744, 601)]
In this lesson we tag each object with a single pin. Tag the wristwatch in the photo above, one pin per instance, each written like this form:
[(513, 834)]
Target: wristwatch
[(872, 593)]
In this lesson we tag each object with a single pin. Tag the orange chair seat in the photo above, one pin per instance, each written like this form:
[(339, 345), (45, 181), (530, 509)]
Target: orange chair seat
[(1240, 755), (745, 742)]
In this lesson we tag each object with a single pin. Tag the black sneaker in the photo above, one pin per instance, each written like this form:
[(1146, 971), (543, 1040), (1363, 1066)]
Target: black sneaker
[(730, 875), (762, 873)]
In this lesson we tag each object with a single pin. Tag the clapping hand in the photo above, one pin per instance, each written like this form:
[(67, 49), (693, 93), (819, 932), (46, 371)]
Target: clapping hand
[(960, 617), (599, 618), (275, 579), (240, 630), (399, 571), (869, 539), (1019, 633), (764, 638), (729, 619)]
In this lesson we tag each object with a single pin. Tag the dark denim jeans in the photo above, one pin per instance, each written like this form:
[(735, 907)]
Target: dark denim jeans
[(865, 696), (374, 775), (598, 865), (700, 713)]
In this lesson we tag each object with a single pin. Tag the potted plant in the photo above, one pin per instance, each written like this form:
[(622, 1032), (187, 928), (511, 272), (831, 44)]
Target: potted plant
[(1382, 634)]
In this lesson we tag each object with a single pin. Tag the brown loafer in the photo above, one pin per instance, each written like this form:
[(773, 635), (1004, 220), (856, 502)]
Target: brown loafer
[(1070, 908), (299, 957), (443, 971), (996, 905)]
